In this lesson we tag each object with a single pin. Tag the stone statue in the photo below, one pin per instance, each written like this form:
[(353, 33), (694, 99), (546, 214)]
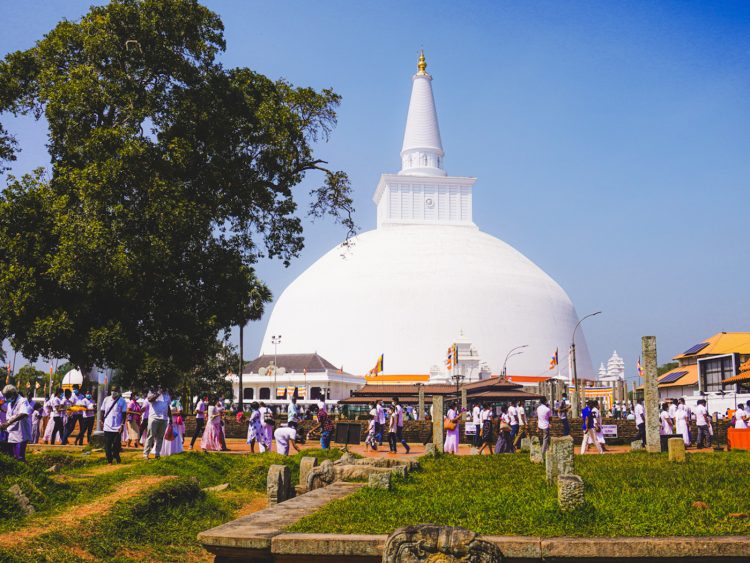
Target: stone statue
[(439, 544)]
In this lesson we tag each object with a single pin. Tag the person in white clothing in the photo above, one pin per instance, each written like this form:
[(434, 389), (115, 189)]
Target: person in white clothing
[(701, 421), (285, 436), (476, 420), (640, 421), (682, 422), (158, 418), (113, 410), (543, 416), (740, 417), (667, 422), (17, 422)]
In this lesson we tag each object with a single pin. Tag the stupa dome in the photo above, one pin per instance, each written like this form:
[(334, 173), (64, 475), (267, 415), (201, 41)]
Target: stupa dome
[(407, 288)]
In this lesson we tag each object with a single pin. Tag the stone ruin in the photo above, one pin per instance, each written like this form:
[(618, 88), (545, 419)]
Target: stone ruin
[(439, 544), (570, 492), (559, 458), (376, 472), (535, 450), (676, 449)]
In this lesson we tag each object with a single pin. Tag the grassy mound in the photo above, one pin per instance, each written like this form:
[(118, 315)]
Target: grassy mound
[(627, 495)]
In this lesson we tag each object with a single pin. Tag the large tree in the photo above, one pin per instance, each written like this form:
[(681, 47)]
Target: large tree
[(170, 176)]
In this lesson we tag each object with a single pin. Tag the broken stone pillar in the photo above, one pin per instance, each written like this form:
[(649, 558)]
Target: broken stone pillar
[(636, 445), (420, 412), (535, 452), (570, 492), (306, 465), (321, 476), (525, 444), (278, 484), (464, 400), (429, 450), (379, 481), (559, 458), (676, 448), (437, 422), (651, 394)]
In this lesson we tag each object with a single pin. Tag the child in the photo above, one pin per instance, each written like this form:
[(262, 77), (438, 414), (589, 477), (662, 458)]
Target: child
[(370, 440)]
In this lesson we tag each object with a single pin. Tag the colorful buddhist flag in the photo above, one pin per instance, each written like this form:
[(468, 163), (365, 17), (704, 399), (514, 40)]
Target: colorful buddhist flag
[(455, 354), (301, 392), (449, 359), (280, 392), (378, 366), (638, 367), (554, 361)]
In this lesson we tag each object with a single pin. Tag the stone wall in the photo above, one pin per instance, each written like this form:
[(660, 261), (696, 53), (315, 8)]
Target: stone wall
[(420, 431)]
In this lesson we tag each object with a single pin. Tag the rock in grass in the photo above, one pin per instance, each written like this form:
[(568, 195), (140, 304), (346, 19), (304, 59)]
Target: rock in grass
[(22, 500), (699, 504), (739, 515), (570, 492), (217, 488), (379, 481), (525, 444), (636, 445), (54, 469), (676, 448)]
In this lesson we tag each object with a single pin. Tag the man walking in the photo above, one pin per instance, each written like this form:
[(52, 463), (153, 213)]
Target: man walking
[(701, 421), (87, 420), (562, 412), (380, 420), (399, 411), (113, 411), (513, 421), (476, 420), (543, 415), (158, 416), (17, 423), (522, 422), (640, 421), (200, 419), (589, 428)]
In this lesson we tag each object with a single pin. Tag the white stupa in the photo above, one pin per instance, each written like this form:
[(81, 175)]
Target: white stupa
[(426, 272)]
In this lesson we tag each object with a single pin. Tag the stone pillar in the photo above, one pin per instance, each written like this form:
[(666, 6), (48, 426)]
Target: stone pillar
[(464, 400), (437, 422), (306, 465), (651, 395), (676, 448), (278, 484), (535, 452), (421, 402), (559, 458), (570, 492)]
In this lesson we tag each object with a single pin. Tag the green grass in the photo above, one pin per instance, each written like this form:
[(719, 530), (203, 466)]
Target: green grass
[(627, 495)]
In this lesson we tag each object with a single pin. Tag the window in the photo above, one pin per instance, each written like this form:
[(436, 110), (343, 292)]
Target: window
[(315, 393), (714, 371), (265, 393), (248, 393)]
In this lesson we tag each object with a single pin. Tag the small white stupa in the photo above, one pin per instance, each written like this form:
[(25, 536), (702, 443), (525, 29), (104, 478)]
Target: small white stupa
[(406, 288)]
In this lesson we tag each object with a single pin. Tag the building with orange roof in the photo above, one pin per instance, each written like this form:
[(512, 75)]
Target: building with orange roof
[(716, 369)]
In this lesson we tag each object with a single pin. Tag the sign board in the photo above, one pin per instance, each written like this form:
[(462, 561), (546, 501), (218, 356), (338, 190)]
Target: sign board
[(347, 433), (470, 429), (609, 430)]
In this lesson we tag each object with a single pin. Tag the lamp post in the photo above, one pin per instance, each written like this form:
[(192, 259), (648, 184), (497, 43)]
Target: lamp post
[(459, 378), (275, 340), (577, 395), (510, 355)]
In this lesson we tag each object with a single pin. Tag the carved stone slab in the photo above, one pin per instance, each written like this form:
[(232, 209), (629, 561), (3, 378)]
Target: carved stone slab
[(438, 544)]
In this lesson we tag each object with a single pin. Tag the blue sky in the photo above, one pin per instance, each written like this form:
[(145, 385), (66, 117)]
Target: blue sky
[(610, 139)]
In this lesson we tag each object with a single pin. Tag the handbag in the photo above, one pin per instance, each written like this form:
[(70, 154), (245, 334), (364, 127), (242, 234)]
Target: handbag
[(179, 421), (449, 424), (169, 434)]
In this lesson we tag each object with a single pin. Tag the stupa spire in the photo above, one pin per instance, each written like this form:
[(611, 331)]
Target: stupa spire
[(422, 152)]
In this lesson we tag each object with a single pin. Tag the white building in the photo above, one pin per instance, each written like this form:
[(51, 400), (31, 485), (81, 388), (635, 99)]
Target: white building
[(406, 288), (273, 379), (614, 372)]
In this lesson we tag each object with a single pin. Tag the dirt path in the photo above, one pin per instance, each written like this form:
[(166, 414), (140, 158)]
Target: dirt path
[(71, 518)]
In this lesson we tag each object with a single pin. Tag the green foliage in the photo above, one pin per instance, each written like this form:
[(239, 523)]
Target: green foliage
[(627, 495), (35, 483), (170, 176), (664, 368)]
